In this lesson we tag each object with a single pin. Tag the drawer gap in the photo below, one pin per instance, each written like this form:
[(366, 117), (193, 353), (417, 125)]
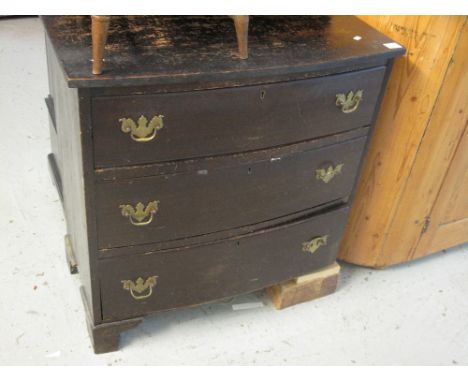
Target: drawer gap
[(226, 160), (213, 237)]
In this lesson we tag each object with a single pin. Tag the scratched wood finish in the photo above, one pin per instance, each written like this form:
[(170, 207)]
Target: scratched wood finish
[(218, 191), (72, 173), (199, 50), (389, 212), (318, 284), (219, 270), (224, 121), (222, 199), (225, 161)]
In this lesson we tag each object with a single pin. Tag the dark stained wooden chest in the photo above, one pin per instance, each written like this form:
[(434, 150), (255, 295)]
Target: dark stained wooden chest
[(188, 175)]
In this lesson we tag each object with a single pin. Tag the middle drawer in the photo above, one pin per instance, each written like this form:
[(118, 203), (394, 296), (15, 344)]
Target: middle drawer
[(154, 209)]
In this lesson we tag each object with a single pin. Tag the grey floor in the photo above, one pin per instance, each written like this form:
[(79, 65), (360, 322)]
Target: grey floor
[(416, 313)]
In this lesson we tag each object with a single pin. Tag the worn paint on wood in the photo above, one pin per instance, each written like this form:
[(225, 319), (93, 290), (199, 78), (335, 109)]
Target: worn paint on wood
[(200, 49), (234, 221)]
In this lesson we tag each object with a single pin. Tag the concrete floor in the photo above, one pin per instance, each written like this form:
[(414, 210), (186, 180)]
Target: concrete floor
[(411, 314)]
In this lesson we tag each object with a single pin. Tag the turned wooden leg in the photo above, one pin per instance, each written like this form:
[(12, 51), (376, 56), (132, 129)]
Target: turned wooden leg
[(106, 337), (99, 30), (242, 31), (305, 288)]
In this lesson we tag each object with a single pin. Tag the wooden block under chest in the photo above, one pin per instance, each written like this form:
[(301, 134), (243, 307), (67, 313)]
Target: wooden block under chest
[(305, 288)]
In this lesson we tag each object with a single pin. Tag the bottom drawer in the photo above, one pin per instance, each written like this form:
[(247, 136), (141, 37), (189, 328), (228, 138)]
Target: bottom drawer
[(136, 285)]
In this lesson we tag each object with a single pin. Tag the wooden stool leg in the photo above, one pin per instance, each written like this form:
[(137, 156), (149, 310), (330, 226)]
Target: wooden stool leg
[(305, 288), (99, 30), (242, 31)]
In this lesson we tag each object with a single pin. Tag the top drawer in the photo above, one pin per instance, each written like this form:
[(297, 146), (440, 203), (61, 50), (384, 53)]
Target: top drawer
[(225, 121)]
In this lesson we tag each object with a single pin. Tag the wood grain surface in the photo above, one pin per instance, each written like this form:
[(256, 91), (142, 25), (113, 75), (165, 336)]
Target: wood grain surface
[(233, 216), (437, 188), (449, 216), (407, 109), (194, 50)]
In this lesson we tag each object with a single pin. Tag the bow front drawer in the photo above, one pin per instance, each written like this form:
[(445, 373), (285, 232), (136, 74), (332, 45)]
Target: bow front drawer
[(151, 128), (160, 208), (136, 285)]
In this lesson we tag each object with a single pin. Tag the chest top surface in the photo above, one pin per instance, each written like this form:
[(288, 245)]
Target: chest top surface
[(151, 50)]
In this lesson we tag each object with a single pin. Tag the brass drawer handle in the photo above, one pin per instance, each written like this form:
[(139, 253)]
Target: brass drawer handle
[(139, 286), (327, 174), (349, 102), (140, 215), (313, 245), (142, 131)]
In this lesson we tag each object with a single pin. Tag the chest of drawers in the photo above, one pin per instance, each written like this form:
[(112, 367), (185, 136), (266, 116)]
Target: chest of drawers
[(187, 175)]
